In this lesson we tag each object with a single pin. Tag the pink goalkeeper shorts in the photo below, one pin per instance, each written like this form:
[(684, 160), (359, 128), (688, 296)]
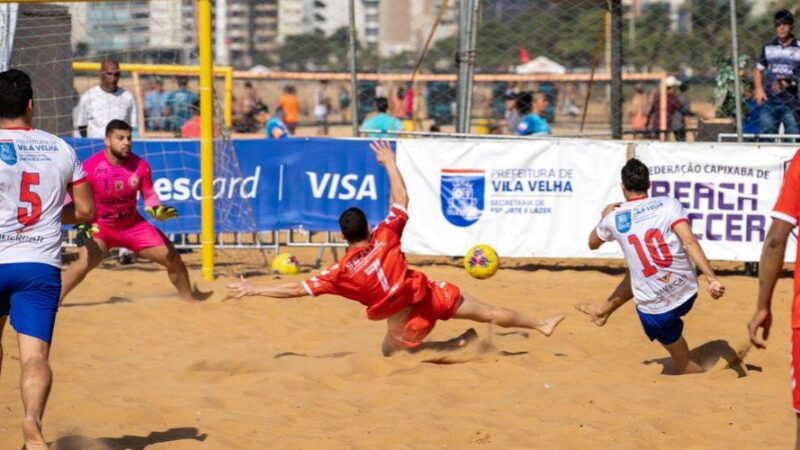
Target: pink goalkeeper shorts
[(136, 237)]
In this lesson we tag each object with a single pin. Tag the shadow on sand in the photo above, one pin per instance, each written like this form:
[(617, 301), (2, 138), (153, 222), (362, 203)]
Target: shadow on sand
[(76, 442), (710, 355)]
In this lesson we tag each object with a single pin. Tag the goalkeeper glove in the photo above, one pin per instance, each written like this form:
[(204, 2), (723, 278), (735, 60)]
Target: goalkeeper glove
[(162, 212), (84, 233)]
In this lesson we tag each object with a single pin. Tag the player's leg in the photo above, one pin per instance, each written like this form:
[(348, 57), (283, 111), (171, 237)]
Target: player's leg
[(599, 313), (89, 257), (34, 303), (477, 311), (679, 351), (35, 380), (2, 325), (167, 256), (407, 329)]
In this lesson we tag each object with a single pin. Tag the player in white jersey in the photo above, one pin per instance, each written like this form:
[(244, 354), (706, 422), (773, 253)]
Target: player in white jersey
[(658, 244), (37, 170)]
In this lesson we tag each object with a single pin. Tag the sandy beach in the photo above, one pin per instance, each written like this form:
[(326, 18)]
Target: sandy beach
[(136, 368)]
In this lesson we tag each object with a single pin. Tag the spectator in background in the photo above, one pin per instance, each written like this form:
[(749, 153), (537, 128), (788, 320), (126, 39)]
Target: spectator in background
[(677, 123), (382, 122), (534, 123), (397, 105), (181, 104), (248, 100), (673, 104), (290, 107), (274, 127), (408, 102), (511, 113), (105, 102), (639, 109), (191, 128), (322, 106), (344, 104), (155, 105), (775, 78), (751, 121)]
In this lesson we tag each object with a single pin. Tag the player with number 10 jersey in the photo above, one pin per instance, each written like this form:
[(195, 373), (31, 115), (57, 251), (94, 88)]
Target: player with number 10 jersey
[(658, 243)]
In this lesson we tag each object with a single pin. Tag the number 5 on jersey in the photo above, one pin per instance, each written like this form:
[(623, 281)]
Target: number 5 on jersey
[(657, 249), (27, 196)]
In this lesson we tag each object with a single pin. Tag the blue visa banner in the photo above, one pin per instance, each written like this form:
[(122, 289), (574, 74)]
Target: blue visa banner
[(264, 185)]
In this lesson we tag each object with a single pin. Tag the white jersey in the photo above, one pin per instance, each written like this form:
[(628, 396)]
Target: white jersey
[(662, 276), (35, 169), (98, 107)]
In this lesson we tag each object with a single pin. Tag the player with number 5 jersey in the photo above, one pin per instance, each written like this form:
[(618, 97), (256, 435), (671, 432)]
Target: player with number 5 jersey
[(374, 273), (37, 170), (659, 246)]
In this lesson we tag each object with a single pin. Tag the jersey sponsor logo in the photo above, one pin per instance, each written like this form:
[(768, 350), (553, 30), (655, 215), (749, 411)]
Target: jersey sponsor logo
[(666, 278), (8, 152), (133, 181), (623, 221), (462, 196)]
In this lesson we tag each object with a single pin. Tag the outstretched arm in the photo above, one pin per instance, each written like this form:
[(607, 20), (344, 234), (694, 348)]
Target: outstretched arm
[(769, 269), (684, 232), (284, 290), (385, 156)]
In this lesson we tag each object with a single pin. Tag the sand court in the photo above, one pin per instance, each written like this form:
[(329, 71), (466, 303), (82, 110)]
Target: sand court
[(136, 368)]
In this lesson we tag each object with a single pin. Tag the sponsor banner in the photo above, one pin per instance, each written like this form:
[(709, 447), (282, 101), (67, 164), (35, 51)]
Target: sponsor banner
[(524, 198), (729, 191), (263, 185)]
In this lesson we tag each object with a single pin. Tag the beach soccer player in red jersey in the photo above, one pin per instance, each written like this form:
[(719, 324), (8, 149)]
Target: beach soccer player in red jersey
[(117, 176), (785, 217), (374, 273)]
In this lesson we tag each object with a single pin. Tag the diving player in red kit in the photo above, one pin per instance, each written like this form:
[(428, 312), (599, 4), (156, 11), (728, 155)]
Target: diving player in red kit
[(374, 273)]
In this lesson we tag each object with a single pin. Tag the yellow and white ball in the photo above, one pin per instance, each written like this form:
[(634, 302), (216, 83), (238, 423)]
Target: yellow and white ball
[(285, 264), (481, 262)]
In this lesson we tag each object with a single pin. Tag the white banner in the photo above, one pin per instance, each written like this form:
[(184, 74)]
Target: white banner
[(524, 198), (728, 189)]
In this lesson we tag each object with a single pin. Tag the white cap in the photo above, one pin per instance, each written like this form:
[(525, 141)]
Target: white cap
[(672, 81)]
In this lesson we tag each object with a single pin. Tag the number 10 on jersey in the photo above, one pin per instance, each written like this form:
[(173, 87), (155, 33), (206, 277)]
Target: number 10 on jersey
[(657, 251)]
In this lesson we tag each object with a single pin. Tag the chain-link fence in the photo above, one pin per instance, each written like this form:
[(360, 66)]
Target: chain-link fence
[(293, 57)]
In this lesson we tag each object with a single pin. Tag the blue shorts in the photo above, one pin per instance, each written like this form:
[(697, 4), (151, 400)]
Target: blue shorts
[(29, 293), (667, 327)]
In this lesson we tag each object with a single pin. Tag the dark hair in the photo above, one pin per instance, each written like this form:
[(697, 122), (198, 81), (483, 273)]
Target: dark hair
[(635, 176), (15, 93), (381, 104), (117, 124), (783, 16), (684, 86), (524, 101), (182, 81), (260, 107), (354, 225)]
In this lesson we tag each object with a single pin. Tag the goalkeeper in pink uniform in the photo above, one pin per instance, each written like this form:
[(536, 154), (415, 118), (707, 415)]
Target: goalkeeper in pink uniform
[(117, 176)]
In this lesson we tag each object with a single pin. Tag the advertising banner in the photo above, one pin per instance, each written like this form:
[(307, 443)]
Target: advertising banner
[(524, 198)]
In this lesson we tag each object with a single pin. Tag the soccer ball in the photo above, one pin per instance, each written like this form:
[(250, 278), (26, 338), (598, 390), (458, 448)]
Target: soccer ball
[(481, 262), (285, 264)]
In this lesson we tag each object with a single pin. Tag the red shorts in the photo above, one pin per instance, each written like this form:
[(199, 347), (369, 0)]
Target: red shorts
[(441, 303), (136, 237), (796, 369)]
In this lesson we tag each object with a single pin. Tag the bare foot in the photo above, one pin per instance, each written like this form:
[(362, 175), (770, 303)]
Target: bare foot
[(548, 325), (598, 316), (32, 433)]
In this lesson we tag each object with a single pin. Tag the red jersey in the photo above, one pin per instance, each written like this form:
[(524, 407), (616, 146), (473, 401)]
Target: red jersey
[(787, 209), (377, 276)]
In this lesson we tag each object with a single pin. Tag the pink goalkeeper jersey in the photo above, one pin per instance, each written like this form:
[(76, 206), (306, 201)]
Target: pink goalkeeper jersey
[(116, 189)]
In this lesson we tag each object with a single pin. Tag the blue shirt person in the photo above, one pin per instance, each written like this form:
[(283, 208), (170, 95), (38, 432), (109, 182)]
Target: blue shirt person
[(382, 122), (534, 123), (155, 105), (274, 126), (180, 104)]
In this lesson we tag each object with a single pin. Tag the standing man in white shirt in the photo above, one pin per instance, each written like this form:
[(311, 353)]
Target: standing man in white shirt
[(659, 246), (37, 170), (105, 102)]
